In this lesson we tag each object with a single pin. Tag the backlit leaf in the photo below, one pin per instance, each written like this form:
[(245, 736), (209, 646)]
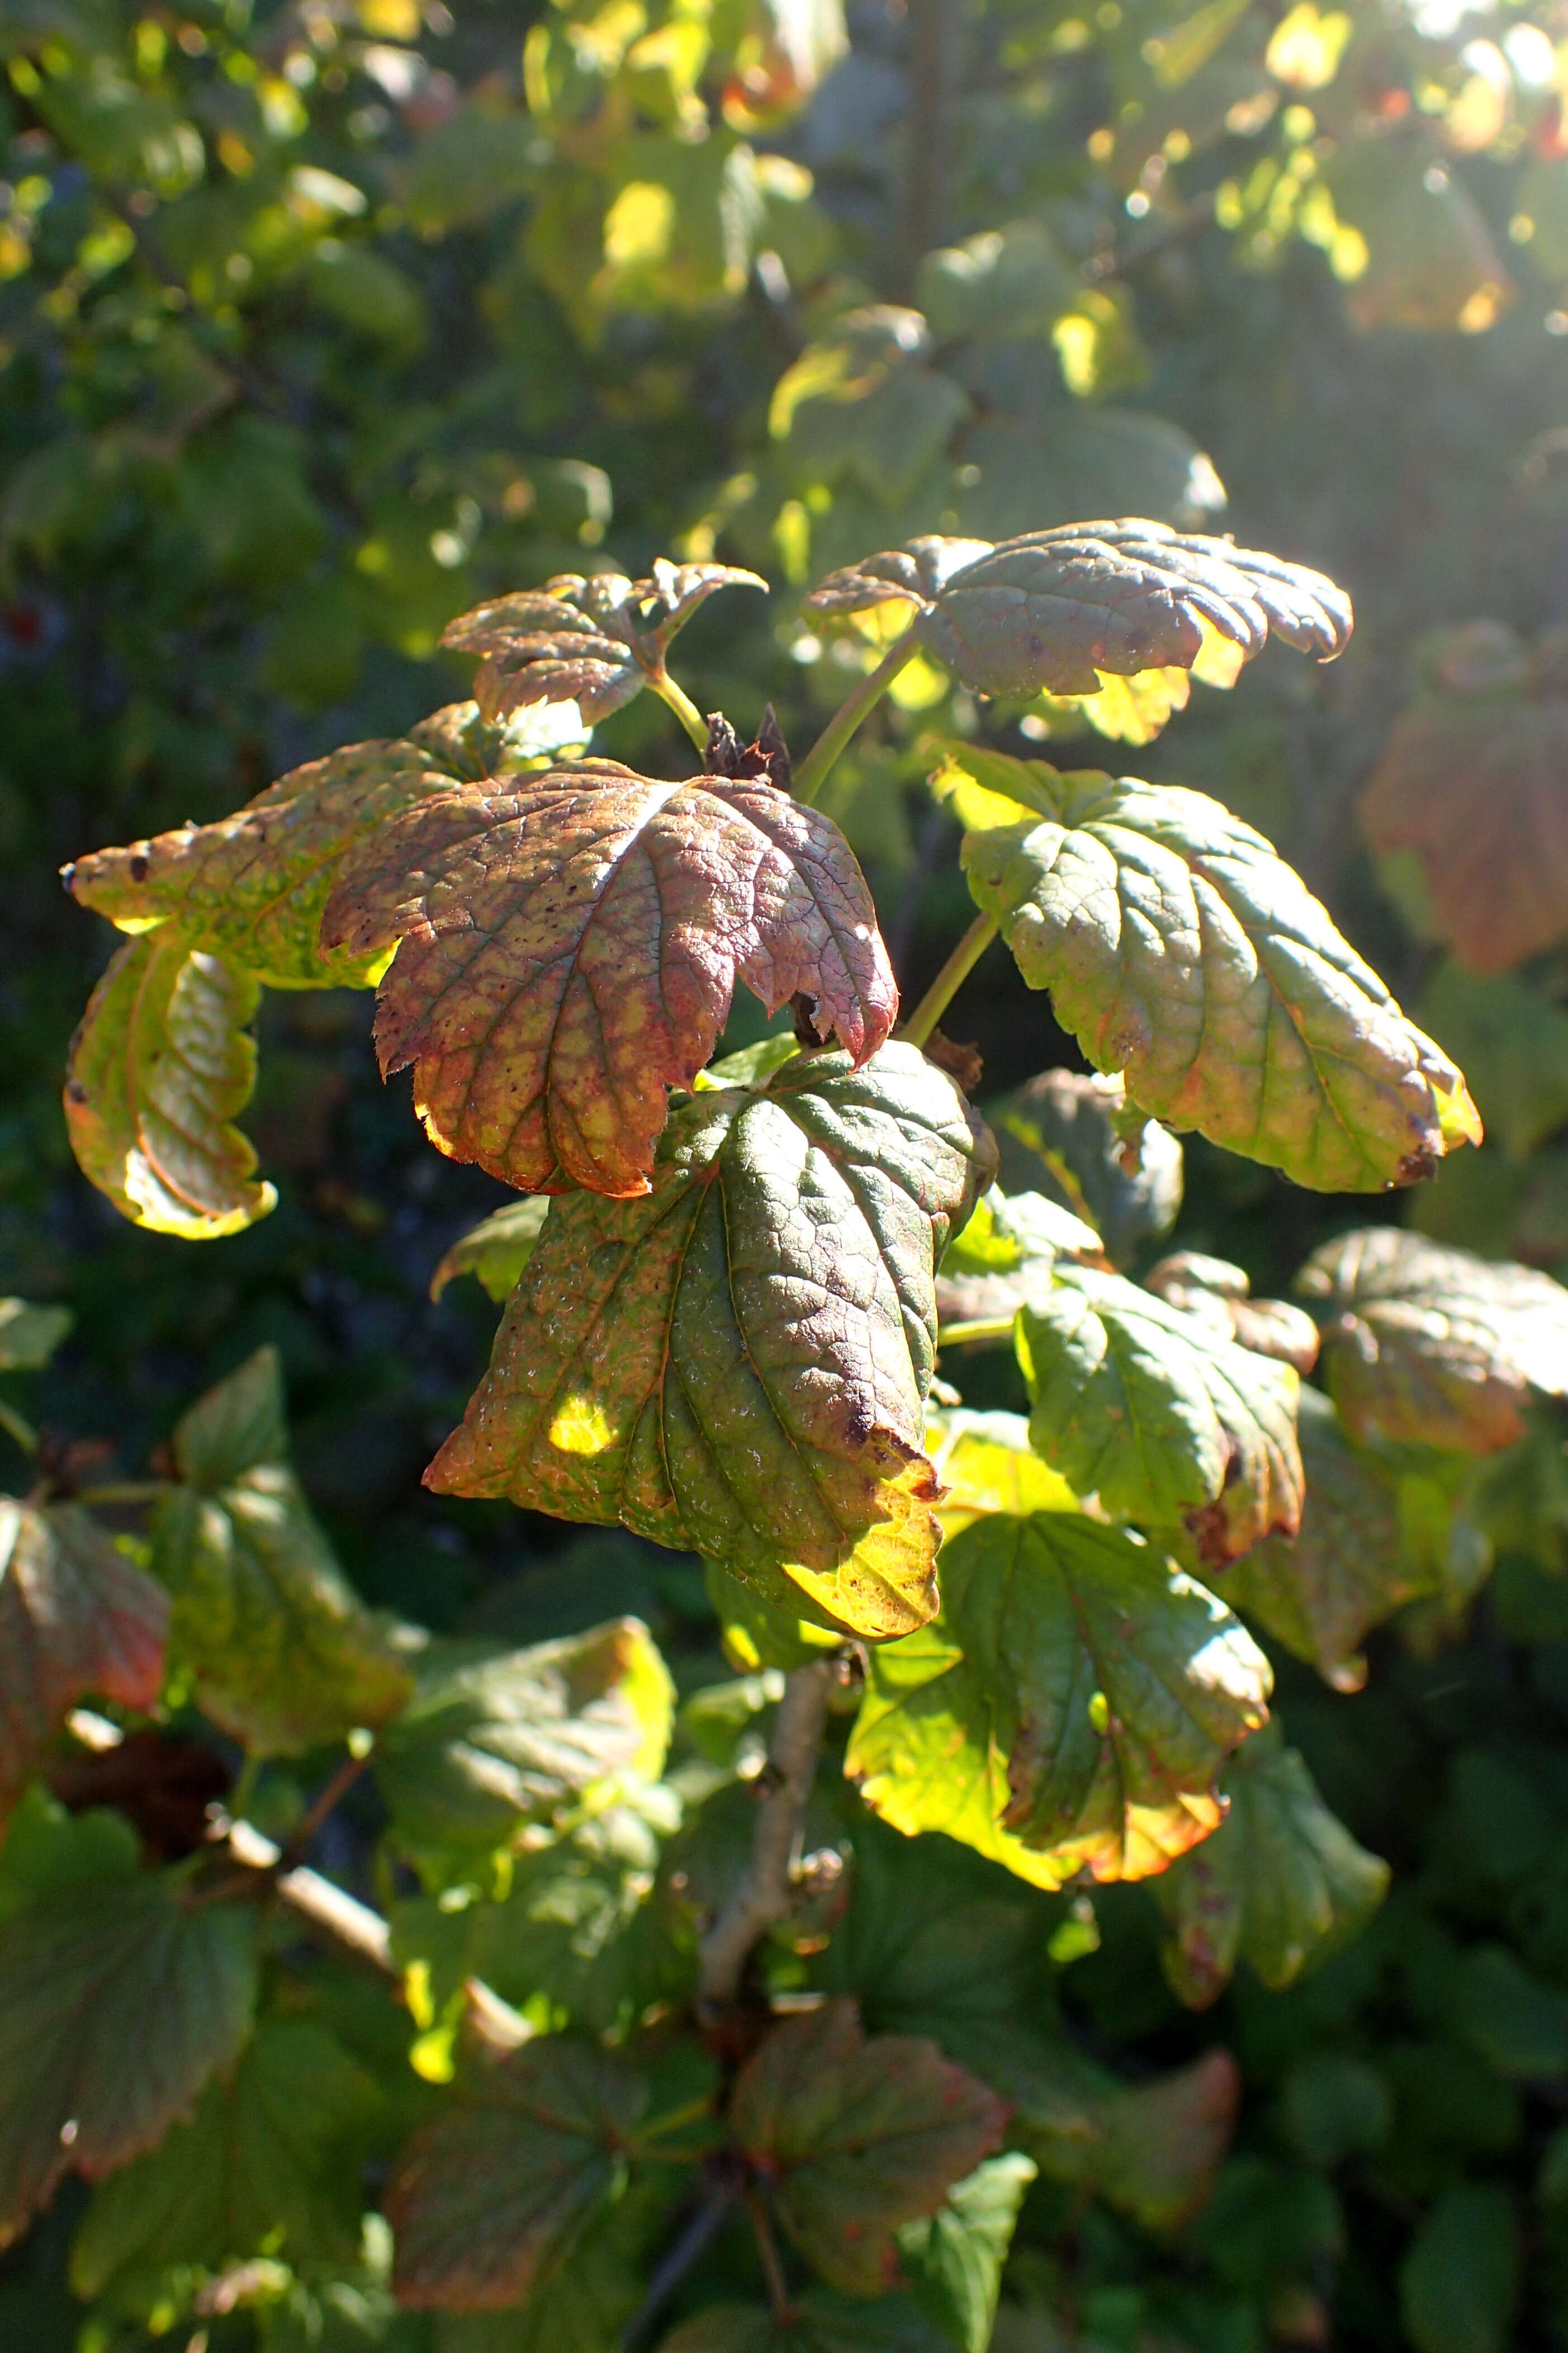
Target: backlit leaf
[(755, 1633), (496, 1251), (118, 2001), (1180, 950), (1064, 1132), (159, 1066), (856, 2137), (489, 2198), (1165, 1420), (280, 1653), (1218, 1294), (570, 946), (30, 1335), (985, 1463), (1070, 1709), (1006, 1254), (956, 2259), (77, 1619), (1281, 1884), (1431, 1347), (649, 1367)]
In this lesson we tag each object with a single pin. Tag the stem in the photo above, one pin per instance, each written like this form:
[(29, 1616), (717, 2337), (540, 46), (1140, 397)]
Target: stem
[(330, 1910), (685, 710), (767, 2247), (767, 1884), (327, 1799), (917, 1029), (718, 2197), (978, 1327), (14, 1427), (124, 1491), (812, 773)]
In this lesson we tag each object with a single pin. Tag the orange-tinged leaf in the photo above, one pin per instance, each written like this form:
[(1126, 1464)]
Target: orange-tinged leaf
[(570, 946)]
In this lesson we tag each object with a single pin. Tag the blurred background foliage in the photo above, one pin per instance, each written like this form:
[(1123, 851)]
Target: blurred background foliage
[(320, 321)]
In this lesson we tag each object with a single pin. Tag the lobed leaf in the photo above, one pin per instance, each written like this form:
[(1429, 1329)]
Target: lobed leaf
[(1069, 1710), (1180, 950), (159, 1066), (856, 2136), (737, 1364), (497, 1249), (77, 1619), (570, 946), (1006, 1254), (1281, 1884), (1428, 1346), (1166, 1420), (1072, 1135)]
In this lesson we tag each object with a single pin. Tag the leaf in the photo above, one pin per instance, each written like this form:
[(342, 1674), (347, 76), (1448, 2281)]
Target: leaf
[(1069, 1710), (270, 2163), (650, 1366), (1431, 263), (985, 1463), (160, 1064), (864, 401), (1006, 1231), (497, 1250), (956, 2259), (595, 642), (1281, 1884), (1431, 1346), (1062, 1132), (856, 2137), (754, 1634), (913, 574), (1218, 1294), (490, 2197), (1459, 2281), (1150, 2149), (117, 2002), (251, 888), (819, 2322), (491, 1744), (570, 946), (30, 1335), (1165, 1420), (281, 1653), (1009, 282), (1182, 951), (1050, 610), (1516, 1040), (77, 1619), (1086, 455)]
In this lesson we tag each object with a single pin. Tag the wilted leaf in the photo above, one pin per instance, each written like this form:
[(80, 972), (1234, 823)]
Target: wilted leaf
[(496, 1251), (1459, 2281), (252, 887), (1167, 1421), (1281, 1883), (985, 1463), (281, 1653), (1217, 1293), (571, 945), (270, 2162), (1182, 951), (1070, 1709), (30, 1335), (117, 2002), (1431, 1347), (77, 1620), (494, 1742), (595, 642), (159, 1065), (489, 2198), (856, 2137), (649, 1367), (956, 2259), (1064, 1132)]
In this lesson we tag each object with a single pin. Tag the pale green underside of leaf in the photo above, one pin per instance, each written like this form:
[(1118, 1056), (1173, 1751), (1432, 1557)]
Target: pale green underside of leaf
[(160, 1065), (496, 1251), (1181, 951)]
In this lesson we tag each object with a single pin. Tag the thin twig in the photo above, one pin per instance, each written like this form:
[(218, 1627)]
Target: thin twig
[(327, 1799), (767, 1887), (719, 2195), (17, 1427), (316, 1901), (767, 2247)]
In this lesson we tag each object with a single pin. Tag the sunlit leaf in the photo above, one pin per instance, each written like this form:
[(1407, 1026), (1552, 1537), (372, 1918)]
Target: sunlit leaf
[(956, 2259), (1430, 260), (1180, 950), (570, 945), (160, 1065), (755, 1633), (1068, 1134), (1069, 1709), (497, 1250), (649, 1365), (856, 2137), (985, 1463)]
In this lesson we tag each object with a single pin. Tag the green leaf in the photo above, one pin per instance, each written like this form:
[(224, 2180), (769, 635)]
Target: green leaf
[(494, 1741), (987, 1465), (1516, 1042), (47, 1850), (281, 1653), (1065, 1133), (29, 1334), (1459, 2281), (582, 2308), (856, 2136), (1166, 1421), (77, 1619), (497, 1250), (1007, 1230), (1070, 1709), (1080, 455), (570, 945), (1281, 1884), (594, 642), (754, 1634), (464, 743), (1150, 2150), (914, 574), (1518, 2024), (649, 1365), (956, 2259), (159, 1066), (489, 2198), (1431, 1347), (819, 2322), (1180, 950), (252, 887), (117, 2002), (270, 2163), (1347, 1568), (865, 402), (1009, 282), (1218, 1294)]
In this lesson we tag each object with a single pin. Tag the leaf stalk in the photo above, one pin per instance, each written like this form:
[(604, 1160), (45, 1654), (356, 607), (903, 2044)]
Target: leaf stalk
[(767, 1886), (685, 710), (917, 1029), (812, 773)]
